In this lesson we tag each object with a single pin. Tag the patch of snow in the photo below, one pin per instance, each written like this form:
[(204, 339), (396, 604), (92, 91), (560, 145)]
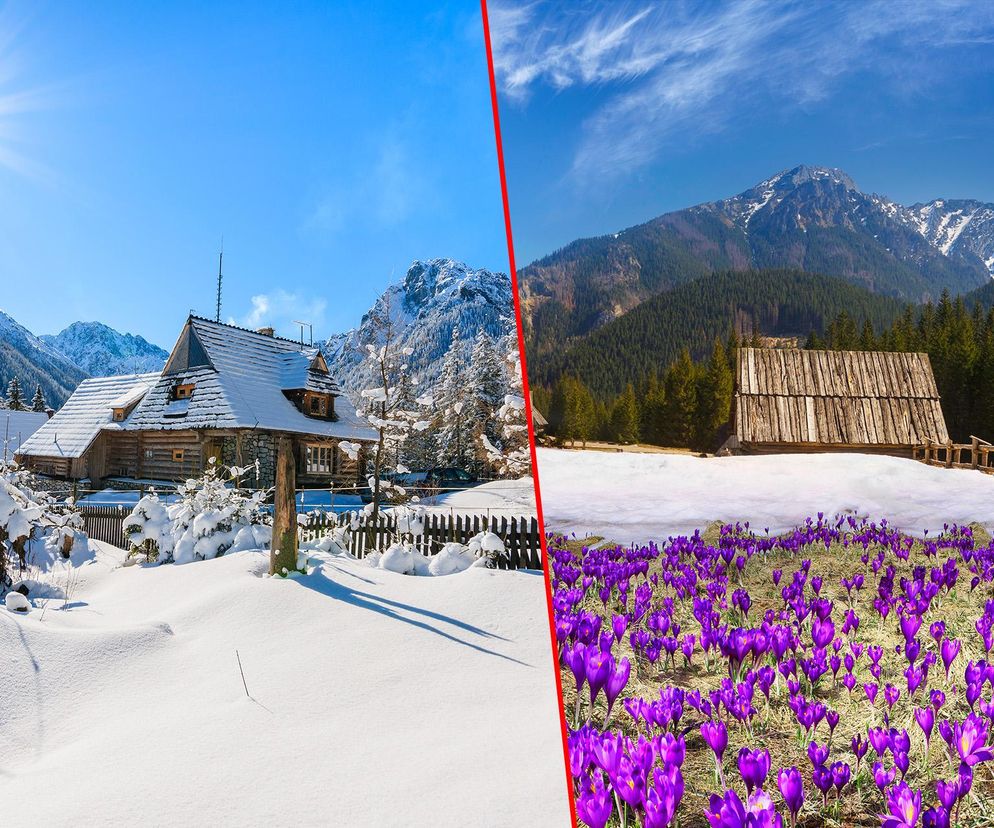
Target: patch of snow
[(628, 496)]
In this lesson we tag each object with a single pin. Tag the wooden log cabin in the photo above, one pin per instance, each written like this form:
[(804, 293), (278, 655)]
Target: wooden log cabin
[(226, 392), (793, 400)]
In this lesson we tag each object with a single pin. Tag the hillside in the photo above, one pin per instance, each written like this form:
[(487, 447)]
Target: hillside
[(808, 218), (775, 303)]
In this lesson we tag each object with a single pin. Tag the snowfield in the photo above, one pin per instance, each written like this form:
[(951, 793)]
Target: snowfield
[(500, 498), (630, 497), (376, 698)]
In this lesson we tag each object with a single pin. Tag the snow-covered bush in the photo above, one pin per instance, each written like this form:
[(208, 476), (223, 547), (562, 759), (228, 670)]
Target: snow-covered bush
[(35, 531), (210, 518), (403, 557)]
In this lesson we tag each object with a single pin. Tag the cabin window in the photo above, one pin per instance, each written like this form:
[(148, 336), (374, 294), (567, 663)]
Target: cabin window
[(315, 405), (118, 415), (184, 391), (320, 460), (178, 455)]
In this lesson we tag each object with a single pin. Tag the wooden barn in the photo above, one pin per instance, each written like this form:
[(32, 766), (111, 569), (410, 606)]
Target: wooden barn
[(225, 393), (793, 400)]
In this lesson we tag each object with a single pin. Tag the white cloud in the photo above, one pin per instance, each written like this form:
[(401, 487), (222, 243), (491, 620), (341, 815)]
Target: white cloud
[(670, 71), (383, 192), (280, 308)]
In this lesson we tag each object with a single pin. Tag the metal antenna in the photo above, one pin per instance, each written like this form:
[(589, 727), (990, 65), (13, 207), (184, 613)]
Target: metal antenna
[(220, 260), (310, 328)]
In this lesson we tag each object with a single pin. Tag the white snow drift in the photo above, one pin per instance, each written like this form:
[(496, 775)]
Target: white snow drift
[(373, 698), (628, 497)]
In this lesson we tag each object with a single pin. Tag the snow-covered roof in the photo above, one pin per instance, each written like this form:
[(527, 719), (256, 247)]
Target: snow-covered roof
[(239, 377), (16, 427), (88, 411)]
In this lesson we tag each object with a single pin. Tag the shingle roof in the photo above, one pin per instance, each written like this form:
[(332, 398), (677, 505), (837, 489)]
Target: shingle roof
[(852, 398), (88, 411), (16, 427), (244, 388)]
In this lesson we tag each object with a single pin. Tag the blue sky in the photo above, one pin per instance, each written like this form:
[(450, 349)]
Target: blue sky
[(615, 112), (330, 143)]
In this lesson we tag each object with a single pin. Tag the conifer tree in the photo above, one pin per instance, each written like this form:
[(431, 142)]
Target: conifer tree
[(38, 402), (681, 402), (714, 398), (454, 438), (15, 401), (625, 418), (485, 386)]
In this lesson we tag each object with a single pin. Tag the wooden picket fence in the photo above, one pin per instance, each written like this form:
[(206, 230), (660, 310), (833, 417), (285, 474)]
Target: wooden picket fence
[(521, 535)]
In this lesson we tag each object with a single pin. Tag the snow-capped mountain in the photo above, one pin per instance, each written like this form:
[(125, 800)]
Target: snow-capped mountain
[(797, 199), (34, 362), (433, 299), (100, 351), (814, 219)]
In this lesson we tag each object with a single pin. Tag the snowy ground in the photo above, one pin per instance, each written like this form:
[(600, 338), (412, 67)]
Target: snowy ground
[(629, 497), (376, 699), (501, 498)]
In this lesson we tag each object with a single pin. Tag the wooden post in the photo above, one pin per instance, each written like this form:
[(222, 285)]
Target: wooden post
[(283, 551), (949, 454)]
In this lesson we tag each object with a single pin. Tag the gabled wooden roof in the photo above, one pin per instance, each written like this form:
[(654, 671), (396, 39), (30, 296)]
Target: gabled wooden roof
[(853, 398)]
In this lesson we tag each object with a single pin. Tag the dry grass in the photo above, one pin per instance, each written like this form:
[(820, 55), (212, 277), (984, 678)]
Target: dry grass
[(775, 726)]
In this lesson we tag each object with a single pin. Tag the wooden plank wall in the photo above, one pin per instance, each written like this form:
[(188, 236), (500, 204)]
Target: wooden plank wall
[(836, 398)]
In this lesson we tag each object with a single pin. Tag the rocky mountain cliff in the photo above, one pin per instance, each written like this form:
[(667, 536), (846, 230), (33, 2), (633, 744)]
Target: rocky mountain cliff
[(424, 308)]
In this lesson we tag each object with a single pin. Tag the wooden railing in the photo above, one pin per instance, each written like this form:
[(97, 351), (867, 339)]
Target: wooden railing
[(977, 454)]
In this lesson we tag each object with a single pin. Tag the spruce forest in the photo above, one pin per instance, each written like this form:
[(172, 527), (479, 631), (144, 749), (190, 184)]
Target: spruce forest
[(685, 401)]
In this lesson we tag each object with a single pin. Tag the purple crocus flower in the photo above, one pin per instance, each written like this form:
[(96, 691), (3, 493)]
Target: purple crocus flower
[(948, 650), (730, 812), (925, 716), (616, 682), (970, 740), (754, 766), (904, 806), (881, 777), (841, 773), (791, 785), (594, 803), (715, 734)]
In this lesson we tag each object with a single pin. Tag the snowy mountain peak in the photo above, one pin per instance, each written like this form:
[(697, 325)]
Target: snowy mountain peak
[(434, 298), (100, 351)]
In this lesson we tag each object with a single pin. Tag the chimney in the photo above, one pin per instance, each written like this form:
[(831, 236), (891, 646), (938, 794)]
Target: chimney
[(265, 331)]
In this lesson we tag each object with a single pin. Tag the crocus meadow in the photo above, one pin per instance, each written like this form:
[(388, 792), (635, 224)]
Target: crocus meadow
[(837, 674)]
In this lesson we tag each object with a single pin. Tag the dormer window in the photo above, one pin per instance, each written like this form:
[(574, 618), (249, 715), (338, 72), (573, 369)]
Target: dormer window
[(313, 404), (183, 391), (118, 415)]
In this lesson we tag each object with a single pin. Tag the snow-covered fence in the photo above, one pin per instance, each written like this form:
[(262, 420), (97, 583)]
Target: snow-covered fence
[(105, 523), (521, 536)]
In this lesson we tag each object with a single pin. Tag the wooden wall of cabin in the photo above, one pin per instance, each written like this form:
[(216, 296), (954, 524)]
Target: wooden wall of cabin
[(347, 471), (824, 448), (158, 460)]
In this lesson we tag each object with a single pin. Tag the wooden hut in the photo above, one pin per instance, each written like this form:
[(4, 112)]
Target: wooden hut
[(793, 400)]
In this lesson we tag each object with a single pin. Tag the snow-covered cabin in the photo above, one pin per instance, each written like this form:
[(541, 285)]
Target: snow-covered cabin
[(16, 427), (793, 400), (226, 392)]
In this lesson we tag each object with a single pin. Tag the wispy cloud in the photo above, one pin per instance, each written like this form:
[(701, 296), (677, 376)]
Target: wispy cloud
[(387, 191), (280, 308), (669, 72)]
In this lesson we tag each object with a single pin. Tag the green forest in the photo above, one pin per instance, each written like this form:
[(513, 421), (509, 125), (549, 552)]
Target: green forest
[(688, 404)]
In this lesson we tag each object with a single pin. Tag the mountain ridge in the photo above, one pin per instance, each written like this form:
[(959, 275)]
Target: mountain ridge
[(808, 218)]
